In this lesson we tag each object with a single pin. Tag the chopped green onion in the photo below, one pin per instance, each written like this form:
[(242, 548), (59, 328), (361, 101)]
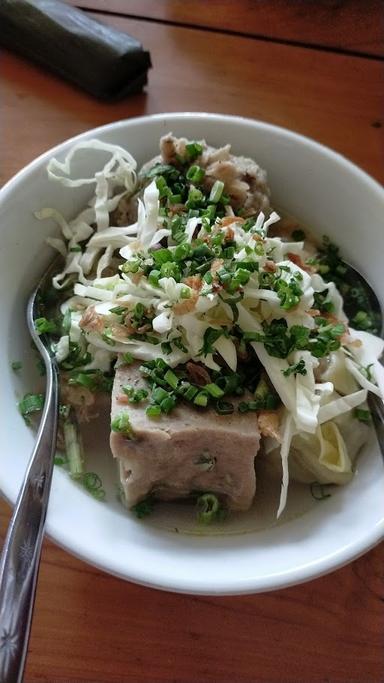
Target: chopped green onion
[(106, 336), (127, 358), (44, 326), (224, 408), (30, 403), (66, 321), (16, 365), (163, 169), (154, 277), (118, 310), (362, 415), (131, 266), (363, 321), (216, 191), (166, 347), (60, 460), (296, 369), (121, 424), (74, 449), (182, 252), (171, 379), (252, 336), (208, 507), (211, 335), (159, 394), (92, 482), (214, 390), (201, 399), (168, 403), (94, 380), (143, 508), (367, 372), (171, 270), (195, 174), (178, 342), (319, 491), (190, 393), (135, 395), (195, 197), (320, 302), (161, 256), (193, 149), (178, 229), (153, 411)]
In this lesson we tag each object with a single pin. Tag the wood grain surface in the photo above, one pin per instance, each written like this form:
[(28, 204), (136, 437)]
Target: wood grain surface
[(337, 99), (351, 25), (90, 627)]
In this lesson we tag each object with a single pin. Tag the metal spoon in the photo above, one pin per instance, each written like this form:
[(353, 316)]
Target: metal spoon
[(22, 548)]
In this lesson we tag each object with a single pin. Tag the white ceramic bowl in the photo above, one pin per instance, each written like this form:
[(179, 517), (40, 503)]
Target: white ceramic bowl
[(250, 553)]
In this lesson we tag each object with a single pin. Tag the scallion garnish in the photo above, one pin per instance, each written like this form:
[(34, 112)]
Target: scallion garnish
[(135, 395), (118, 310), (214, 390), (16, 365), (224, 407), (211, 335), (167, 404), (143, 508), (319, 491), (159, 394), (107, 337), (362, 415), (92, 482), (201, 399), (29, 404), (193, 149), (154, 277), (295, 369), (44, 326), (216, 191), (208, 508), (121, 424), (94, 380), (195, 174), (153, 411), (171, 379), (73, 448)]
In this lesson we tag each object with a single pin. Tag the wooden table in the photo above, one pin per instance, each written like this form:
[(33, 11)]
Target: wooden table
[(318, 71)]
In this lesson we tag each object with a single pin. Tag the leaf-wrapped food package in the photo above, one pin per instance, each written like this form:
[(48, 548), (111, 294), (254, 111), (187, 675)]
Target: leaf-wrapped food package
[(105, 62)]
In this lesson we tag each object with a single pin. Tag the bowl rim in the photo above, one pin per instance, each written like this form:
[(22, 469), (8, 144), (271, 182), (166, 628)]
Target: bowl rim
[(307, 571), (337, 156)]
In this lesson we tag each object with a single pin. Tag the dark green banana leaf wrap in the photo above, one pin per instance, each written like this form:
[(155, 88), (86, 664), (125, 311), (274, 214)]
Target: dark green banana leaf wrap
[(105, 62)]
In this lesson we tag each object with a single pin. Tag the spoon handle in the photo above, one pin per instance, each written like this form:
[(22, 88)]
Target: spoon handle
[(20, 559), (377, 411)]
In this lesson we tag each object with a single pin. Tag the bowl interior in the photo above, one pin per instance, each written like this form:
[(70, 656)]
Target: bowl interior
[(326, 193)]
